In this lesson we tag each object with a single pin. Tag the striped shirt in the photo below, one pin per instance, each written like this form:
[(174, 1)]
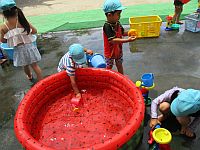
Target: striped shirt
[(67, 63), (165, 97)]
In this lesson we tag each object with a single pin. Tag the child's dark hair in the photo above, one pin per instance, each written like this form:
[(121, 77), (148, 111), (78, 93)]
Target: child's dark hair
[(112, 12), (12, 12), (174, 95)]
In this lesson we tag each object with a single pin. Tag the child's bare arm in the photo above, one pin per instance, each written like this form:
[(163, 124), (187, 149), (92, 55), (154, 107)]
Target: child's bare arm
[(120, 40), (34, 30), (88, 51), (74, 85), (2, 32)]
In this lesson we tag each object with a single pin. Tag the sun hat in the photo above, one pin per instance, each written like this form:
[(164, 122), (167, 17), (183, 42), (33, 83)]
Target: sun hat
[(186, 103), (7, 4), (77, 53), (112, 5)]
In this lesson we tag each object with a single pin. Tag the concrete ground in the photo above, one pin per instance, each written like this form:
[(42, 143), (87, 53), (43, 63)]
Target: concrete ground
[(173, 58)]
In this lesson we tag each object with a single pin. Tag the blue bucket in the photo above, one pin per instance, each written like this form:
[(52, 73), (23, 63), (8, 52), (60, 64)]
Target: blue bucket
[(147, 79), (9, 50), (1, 55), (97, 61)]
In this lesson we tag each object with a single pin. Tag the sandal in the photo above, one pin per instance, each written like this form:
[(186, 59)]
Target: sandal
[(31, 79)]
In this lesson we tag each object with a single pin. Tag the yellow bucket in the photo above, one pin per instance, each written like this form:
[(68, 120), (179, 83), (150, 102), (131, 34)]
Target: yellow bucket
[(162, 136)]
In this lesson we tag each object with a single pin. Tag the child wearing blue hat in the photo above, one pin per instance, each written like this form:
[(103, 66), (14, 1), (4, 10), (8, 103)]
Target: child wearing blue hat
[(185, 106), (162, 103), (112, 33), (17, 32), (73, 59)]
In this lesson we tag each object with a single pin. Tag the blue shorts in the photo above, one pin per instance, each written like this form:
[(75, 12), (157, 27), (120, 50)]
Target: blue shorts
[(110, 61)]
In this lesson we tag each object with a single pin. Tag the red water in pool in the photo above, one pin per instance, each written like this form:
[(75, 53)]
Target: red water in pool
[(102, 115)]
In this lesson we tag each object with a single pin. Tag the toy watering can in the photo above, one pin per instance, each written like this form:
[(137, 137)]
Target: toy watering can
[(147, 80), (76, 102)]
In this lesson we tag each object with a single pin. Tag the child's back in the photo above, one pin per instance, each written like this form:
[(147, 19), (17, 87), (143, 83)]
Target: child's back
[(17, 32)]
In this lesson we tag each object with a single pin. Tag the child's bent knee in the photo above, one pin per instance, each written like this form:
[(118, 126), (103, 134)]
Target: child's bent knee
[(164, 107)]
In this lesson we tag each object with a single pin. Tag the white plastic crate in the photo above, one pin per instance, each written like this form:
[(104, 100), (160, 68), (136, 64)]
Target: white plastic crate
[(192, 22)]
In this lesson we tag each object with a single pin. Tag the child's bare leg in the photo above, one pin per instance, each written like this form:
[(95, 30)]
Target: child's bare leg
[(164, 109), (120, 67), (184, 121), (179, 14), (37, 70), (28, 71)]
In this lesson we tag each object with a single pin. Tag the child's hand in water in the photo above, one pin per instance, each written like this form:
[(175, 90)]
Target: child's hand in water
[(131, 38), (154, 122)]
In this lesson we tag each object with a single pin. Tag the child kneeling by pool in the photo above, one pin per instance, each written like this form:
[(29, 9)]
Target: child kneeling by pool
[(73, 59), (163, 103)]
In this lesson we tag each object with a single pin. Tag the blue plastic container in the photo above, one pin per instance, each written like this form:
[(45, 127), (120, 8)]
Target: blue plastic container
[(97, 61), (147, 79), (9, 50), (1, 55)]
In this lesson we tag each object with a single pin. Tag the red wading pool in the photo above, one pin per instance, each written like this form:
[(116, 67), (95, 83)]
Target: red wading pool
[(109, 118)]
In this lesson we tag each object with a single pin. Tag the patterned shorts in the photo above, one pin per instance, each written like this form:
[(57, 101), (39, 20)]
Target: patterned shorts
[(110, 61)]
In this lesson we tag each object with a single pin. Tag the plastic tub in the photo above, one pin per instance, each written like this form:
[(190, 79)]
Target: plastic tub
[(147, 79), (146, 26), (192, 22), (111, 116), (9, 50), (97, 61)]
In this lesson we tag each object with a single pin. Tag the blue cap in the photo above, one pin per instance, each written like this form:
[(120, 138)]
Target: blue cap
[(112, 5), (6, 4), (77, 53), (186, 103)]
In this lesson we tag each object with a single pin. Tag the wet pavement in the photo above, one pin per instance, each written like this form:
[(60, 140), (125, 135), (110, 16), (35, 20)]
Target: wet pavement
[(173, 58)]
